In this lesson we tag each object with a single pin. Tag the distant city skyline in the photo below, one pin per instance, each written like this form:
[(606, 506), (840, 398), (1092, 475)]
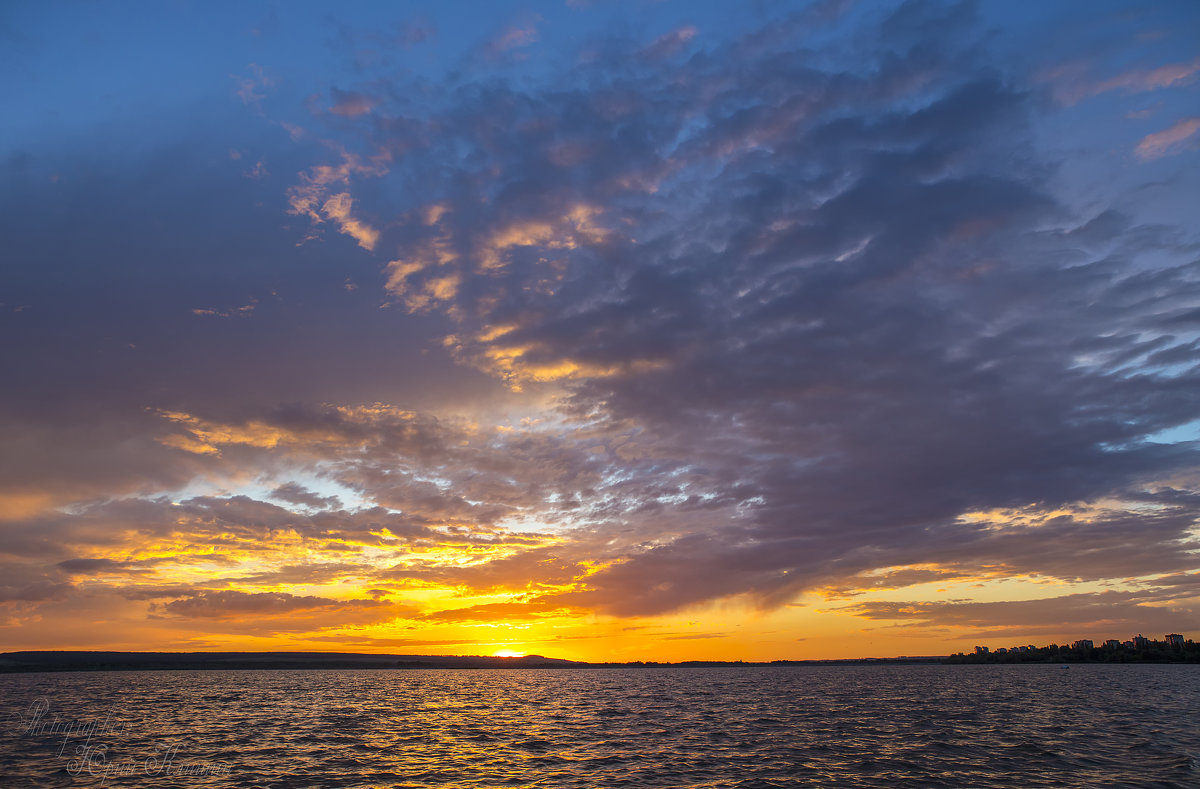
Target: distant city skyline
[(1171, 639)]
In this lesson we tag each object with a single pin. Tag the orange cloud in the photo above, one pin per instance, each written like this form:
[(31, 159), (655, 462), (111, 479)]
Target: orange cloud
[(505, 612), (19, 506), (425, 256), (491, 252), (204, 437), (338, 209), (565, 232), (311, 196)]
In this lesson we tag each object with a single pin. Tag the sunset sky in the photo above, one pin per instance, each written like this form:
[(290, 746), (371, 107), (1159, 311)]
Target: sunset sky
[(598, 330)]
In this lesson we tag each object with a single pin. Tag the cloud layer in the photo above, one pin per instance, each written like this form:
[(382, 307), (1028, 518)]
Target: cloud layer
[(678, 319)]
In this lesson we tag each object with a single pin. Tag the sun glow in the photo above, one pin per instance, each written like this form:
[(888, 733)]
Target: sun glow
[(507, 653)]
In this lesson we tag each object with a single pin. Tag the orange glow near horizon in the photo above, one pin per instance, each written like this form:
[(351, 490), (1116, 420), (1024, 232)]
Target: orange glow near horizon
[(339, 616), (243, 563)]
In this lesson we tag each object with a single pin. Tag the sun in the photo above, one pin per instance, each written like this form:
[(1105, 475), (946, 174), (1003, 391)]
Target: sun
[(507, 653)]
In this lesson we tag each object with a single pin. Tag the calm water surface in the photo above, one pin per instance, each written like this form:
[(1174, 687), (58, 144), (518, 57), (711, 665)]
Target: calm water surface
[(862, 726)]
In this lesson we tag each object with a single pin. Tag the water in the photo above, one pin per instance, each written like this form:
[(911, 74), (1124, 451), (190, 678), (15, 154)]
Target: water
[(860, 726)]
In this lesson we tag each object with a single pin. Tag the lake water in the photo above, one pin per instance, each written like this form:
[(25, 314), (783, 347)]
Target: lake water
[(853, 726)]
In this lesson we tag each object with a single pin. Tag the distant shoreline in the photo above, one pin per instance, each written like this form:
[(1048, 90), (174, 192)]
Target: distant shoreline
[(52, 661), (33, 661)]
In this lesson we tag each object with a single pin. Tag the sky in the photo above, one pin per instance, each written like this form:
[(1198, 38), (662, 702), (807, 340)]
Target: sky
[(599, 330)]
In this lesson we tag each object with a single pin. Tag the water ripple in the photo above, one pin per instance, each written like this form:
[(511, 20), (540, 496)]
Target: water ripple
[(863, 726)]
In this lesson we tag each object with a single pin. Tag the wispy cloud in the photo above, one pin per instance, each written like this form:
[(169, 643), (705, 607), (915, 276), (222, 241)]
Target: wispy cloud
[(1073, 83), (670, 44), (1170, 141), (252, 89), (239, 312), (514, 37)]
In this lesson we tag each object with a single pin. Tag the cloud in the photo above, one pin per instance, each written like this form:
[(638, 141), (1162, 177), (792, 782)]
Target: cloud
[(238, 312), (1167, 142), (307, 573), (1072, 83), (295, 493), (338, 208), (312, 198), (251, 89), (91, 565), (693, 636), (502, 612), (238, 604), (507, 44), (350, 104), (537, 570), (35, 593), (1109, 614), (839, 301), (783, 320), (670, 44)]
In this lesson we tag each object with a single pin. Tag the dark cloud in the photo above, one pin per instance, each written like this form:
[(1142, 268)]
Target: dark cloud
[(85, 566), (104, 269), (1110, 613), (229, 603), (840, 299), (35, 592), (295, 493)]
